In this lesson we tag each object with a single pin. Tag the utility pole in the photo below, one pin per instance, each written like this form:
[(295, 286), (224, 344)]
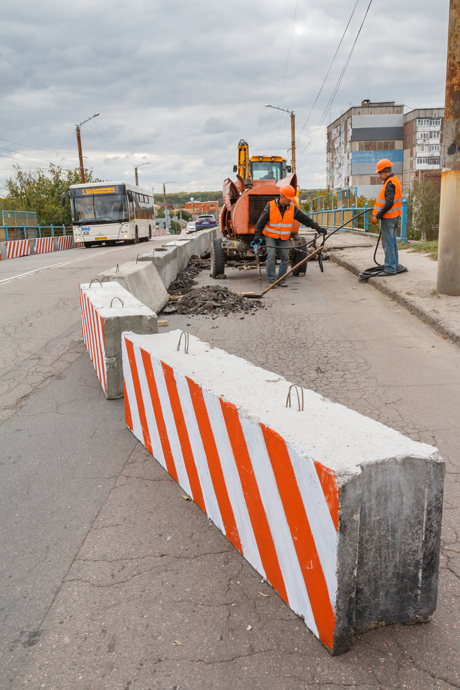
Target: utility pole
[(293, 141), (136, 176), (449, 218), (80, 153), (164, 190), (292, 114), (80, 156)]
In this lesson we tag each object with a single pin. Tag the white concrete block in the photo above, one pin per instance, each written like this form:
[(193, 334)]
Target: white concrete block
[(107, 310), (340, 513), (140, 279), (172, 258)]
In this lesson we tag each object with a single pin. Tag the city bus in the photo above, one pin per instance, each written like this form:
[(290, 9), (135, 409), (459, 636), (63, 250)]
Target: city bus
[(110, 212)]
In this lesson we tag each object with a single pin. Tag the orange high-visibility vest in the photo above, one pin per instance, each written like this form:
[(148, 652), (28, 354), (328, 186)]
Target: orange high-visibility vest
[(280, 228), (396, 209)]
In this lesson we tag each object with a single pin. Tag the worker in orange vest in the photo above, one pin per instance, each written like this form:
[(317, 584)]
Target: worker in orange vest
[(388, 210), (275, 224)]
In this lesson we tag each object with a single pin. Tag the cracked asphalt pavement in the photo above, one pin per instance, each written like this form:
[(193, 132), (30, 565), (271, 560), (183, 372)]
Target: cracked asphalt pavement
[(111, 579)]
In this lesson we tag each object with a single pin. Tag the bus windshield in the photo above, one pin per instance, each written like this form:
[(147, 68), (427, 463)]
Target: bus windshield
[(266, 170), (99, 205)]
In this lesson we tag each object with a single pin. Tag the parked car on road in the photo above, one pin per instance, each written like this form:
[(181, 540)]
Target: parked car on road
[(191, 227), (205, 220)]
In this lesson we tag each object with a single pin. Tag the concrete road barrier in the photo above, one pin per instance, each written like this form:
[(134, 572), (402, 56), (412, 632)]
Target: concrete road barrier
[(140, 279), (341, 514), (64, 242), (173, 257), (43, 245), (107, 310), (14, 249)]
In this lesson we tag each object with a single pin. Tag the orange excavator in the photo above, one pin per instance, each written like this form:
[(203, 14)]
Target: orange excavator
[(259, 180)]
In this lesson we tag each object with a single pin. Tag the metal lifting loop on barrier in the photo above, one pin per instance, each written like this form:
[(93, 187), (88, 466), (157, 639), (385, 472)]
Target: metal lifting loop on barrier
[(186, 342), (119, 299), (137, 257), (95, 280), (300, 399)]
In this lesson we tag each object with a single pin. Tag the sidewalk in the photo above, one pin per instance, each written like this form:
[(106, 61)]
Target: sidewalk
[(415, 290)]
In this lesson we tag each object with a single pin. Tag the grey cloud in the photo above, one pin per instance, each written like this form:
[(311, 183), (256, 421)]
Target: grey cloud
[(180, 83)]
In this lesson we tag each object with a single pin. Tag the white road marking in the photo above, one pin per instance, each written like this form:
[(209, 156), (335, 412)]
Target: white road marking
[(62, 263)]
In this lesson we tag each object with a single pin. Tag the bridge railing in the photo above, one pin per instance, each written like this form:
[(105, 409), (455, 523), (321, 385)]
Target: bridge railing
[(335, 217), (24, 232)]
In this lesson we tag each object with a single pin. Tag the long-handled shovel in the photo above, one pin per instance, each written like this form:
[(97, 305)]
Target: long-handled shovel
[(254, 295)]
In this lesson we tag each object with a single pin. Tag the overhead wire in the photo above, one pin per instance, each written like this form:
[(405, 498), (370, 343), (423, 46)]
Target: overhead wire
[(37, 148), (285, 70), (339, 81), (67, 103), (330, 67), (288, 53), (28, 156)]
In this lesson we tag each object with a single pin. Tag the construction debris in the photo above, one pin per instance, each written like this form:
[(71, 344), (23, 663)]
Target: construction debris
[(212, 300), (186, 278)]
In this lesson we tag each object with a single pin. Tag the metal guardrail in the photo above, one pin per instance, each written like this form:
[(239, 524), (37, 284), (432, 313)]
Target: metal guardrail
[(24, 232), (335, 217)]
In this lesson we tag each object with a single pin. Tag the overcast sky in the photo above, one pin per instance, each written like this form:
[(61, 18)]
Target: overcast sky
[(179, 83)]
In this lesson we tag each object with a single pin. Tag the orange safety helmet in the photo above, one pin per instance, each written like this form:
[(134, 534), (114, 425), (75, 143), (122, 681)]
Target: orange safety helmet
[(288, 191), (382, 164)]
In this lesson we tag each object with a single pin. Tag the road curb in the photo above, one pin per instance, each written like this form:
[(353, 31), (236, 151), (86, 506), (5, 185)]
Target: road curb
[(417, 310)]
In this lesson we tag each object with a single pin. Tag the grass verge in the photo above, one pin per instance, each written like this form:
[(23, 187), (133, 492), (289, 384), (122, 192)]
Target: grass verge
[(430, 248)]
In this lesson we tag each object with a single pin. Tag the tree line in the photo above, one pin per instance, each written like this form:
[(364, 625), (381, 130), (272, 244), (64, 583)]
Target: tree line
[(41, 191)]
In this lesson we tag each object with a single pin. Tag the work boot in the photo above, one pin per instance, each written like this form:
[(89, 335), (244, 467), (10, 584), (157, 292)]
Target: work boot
[(283, 283)]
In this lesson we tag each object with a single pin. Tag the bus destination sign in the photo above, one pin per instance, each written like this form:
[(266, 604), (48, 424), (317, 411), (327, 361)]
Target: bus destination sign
[(99, 190)]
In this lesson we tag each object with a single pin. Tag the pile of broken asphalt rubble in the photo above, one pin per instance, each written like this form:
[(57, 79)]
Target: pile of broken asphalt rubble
[(211, 300)]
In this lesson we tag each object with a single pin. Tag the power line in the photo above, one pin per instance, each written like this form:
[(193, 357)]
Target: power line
[(285, 69), (19, 153), (289, 52), (330, 67), (339, 81), (27, 147), (64, 100)]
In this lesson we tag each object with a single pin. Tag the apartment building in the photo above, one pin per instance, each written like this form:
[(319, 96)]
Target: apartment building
[(358, 139), (364, 134), (422, 145)]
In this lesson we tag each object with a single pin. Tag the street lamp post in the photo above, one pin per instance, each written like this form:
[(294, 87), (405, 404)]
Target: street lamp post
[(164, 190), (80, 153), (292, 114), (164, 196), (136, 177)]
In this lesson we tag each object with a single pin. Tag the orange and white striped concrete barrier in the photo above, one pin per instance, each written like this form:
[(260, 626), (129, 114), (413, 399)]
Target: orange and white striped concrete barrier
[(65, 242), (285, 486), (107, 309), (17, 248), (43, 245)]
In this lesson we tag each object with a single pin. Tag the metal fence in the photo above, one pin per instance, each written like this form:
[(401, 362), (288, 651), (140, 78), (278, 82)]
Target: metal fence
[(24, 232), (335, 217), (18, 218)]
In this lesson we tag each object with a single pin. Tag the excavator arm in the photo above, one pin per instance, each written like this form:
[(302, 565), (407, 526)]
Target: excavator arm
[(243, 160)]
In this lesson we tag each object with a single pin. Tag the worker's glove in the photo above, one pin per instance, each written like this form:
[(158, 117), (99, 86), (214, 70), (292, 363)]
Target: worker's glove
[(257, 240), (322, 231), (374, 220)]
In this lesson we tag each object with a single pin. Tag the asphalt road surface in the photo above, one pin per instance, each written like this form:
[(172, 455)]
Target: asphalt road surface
[(110, 579)]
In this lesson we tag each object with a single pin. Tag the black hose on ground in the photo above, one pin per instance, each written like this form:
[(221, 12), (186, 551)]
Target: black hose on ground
[(378, 269)]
